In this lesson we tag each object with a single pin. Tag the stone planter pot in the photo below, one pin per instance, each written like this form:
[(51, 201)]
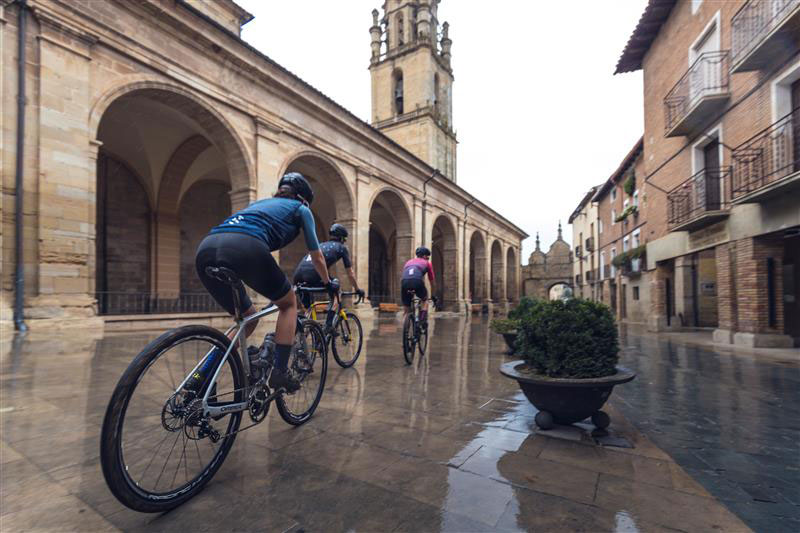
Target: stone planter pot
[(566, 401), (511, 339)]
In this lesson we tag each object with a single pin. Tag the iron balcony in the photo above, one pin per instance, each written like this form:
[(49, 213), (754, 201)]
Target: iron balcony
[(768, 164), (699, 201), (761, 31), (699, 95)]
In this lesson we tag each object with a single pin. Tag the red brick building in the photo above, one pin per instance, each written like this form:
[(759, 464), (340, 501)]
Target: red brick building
[(717, 172)]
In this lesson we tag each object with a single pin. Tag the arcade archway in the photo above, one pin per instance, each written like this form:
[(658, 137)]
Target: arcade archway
[(477, 268), (390, 245), (160, 148), (497, 273), (444, 251), (332, 203)]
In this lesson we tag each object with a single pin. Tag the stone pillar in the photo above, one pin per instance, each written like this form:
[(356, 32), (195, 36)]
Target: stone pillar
[(66, 178), (487, 274), (405, 250), (684, 289), (657, 320), (268, 157), (461, 262), (361, 234), (755, 330), (726, 293)]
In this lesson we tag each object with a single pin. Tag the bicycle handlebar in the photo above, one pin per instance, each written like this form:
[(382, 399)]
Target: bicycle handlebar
[(303, 288), (353, 293)]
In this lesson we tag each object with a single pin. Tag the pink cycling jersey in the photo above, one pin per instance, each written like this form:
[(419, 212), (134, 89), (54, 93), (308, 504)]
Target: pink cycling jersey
[(417, 268)]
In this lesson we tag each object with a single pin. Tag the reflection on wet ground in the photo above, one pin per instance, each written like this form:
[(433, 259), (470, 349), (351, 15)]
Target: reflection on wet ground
[(730, 420), (448, 445)]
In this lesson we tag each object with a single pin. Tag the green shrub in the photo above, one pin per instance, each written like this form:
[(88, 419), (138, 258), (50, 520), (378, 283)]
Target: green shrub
[(503, 325), (521, 309), (572, 339), (630, 184)]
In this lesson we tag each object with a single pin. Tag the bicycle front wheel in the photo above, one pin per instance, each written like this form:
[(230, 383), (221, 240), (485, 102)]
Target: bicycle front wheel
[(409, 344), (308, 363), (347, 340), (157, 449)]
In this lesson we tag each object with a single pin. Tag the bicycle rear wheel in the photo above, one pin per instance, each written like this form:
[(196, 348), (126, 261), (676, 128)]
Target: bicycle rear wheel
[(422, 340), (308, 363), (157, 450), (347, 340), (409, 344)]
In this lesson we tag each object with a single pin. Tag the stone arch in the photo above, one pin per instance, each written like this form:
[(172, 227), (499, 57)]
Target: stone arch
[(511, 274), (218, 129), (390, 219), (497, 272), (553, 294), (333, 202), (477, 267), (173, 138), (444, 248)]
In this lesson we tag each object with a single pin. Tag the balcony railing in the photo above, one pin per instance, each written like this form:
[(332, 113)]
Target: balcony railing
[(133, 303), (589, 244), (767, 158), (698, 93), (698, 201), (753, 25)]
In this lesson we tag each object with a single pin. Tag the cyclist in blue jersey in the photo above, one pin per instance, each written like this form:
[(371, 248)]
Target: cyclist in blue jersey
[(333, 250), (243, 242)]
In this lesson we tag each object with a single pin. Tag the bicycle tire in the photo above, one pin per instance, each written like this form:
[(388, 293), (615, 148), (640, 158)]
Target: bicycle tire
[(115, 469), (409, 346), (320, 354), (422, 341), (347, 329)]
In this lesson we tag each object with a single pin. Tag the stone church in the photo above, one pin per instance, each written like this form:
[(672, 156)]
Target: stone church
[(144, 123), (548, 276)]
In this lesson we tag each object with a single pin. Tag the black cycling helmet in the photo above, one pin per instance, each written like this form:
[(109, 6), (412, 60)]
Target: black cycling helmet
[(423, 252), (299, 184), (339, 231)]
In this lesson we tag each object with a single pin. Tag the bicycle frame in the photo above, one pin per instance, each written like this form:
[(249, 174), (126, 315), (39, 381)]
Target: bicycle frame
[(239, 327)]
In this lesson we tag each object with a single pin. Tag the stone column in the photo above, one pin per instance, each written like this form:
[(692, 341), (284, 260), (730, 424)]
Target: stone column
[(268, 158), (462, 274), (726, 293), (755, 330), (487, 274), (361, 233), (66, 177), (657, 320)]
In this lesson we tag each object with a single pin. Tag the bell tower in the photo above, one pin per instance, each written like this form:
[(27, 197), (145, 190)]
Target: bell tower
[(412, 81)]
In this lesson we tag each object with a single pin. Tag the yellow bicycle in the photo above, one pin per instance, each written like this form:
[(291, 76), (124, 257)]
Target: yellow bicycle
[(346, 335)]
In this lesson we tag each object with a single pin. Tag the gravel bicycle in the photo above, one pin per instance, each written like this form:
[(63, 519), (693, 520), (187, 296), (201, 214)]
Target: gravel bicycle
[(346, 335), (415, 332), (177, 409)]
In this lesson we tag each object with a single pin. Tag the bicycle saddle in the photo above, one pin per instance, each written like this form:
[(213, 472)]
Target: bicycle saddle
[(225, 275)]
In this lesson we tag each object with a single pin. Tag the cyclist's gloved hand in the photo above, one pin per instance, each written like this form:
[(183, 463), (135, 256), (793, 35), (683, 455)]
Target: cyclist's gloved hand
[(333, 286)]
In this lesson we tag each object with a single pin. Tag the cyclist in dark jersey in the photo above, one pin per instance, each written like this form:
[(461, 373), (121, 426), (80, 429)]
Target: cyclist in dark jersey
[(333, 250), (243, 243), (413, 281)]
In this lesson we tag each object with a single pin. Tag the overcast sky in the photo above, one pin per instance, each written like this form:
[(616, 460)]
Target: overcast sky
[(539, 116)]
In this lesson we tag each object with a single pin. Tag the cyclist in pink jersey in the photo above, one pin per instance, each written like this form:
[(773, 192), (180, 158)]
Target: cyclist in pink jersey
[(413, 282)]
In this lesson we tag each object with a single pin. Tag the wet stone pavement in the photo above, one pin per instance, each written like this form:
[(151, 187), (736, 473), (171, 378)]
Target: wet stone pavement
[(446, 445)]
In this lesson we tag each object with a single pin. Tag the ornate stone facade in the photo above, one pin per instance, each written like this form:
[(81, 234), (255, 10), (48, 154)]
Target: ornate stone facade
[(547, 275), (158, 109)]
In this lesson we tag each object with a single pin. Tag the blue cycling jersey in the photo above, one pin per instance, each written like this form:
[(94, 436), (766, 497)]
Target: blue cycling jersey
[(276, 221)]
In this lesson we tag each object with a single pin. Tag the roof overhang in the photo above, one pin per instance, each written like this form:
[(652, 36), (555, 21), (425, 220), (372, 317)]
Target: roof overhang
[(654, 16)]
